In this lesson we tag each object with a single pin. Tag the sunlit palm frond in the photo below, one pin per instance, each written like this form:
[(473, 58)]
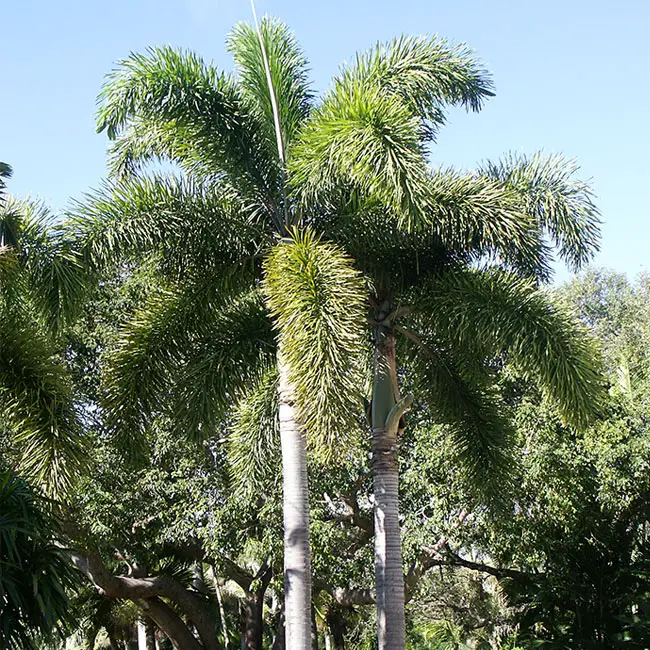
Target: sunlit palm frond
[(188, 224), (317, 299), (561, 204), (288, 67), (499, 313), (428, 73), (365, 139), (54, 277), (177, 89)]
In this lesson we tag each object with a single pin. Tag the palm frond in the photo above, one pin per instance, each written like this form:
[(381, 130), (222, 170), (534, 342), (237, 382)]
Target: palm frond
[(186, 352), (234, 353), (177, 90), (37, 405), (35, 576), (367, 140), (55, 278), (288, 67), (479, 217), (493, 313), (317, 299), (428, 73), (254, 439), (456, 393), (189, 225), (561, 204)]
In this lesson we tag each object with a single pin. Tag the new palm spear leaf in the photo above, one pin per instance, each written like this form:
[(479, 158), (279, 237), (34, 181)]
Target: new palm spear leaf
[(353, 217)]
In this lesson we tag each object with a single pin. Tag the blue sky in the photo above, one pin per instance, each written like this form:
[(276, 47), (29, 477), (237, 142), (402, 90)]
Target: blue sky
[(571, 76)]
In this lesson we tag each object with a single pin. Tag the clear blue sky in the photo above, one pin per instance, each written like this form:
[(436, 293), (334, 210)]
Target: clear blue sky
[(571, 76)]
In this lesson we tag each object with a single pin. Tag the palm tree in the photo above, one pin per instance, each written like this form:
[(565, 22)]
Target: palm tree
[(39, 285), (236, 217), (39, 430), (278, 194)]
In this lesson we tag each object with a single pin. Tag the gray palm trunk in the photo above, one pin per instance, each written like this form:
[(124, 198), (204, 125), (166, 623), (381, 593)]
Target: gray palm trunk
[(297, 561), (386, 418)]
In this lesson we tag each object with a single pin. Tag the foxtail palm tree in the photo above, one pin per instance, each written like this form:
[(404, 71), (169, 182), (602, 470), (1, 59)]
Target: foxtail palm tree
[(282, 202), (236, 218)]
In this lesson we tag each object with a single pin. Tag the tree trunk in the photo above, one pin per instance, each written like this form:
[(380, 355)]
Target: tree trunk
[(336, 625), (278, 640), (115, 643), (389, 578), (253, 630), (297, 562)]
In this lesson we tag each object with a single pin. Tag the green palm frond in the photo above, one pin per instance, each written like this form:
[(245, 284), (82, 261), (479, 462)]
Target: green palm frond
[(493, 312), (5, 172), (34, 574), (428, 73), (561, 204), (461, 396), (317, 299), (147, 140), (187, 352), (365, 139), (288, 67), (236, 351), (213, 126), (479, 217), (190, 225), (254, 439), (37, 405), (52, 270)]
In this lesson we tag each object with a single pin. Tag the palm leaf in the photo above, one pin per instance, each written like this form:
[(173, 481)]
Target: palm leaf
[(457, 391), (288, 68), (185, 353), (189, 225), (254, 439), (561, 204), (493, 312), (37, 404), (428, 73), (212, 128), (317, 300)]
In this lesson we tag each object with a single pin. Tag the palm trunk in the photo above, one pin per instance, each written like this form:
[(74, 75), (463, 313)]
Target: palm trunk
[(385, 416), (297, 562)]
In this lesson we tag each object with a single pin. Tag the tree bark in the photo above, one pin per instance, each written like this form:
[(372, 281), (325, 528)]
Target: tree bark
[(170, 623), (145, 591), (314, 630), (279, 639), (253, 607), (297, 562), (386, 413)]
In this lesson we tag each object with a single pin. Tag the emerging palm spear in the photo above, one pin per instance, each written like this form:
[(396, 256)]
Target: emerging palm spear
[(323, 219)]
